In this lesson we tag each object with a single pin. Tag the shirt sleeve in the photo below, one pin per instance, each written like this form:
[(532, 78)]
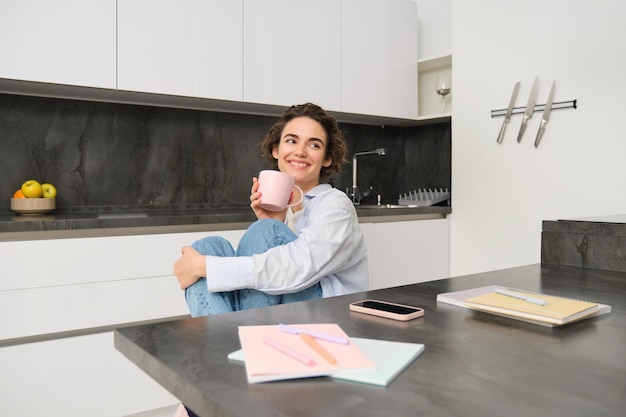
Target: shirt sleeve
[(325, 245)]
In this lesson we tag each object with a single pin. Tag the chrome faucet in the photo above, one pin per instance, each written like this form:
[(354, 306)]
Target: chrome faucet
[(356, 194)]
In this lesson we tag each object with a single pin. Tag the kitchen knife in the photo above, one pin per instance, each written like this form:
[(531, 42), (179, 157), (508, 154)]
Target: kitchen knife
[(509, 111), (530, 108), (546, 115)]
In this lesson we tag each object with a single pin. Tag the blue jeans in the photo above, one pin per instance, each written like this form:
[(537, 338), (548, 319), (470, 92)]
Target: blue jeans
[(260, 236)]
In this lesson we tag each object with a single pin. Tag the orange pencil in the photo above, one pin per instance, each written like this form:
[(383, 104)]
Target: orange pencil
[(319, 349)]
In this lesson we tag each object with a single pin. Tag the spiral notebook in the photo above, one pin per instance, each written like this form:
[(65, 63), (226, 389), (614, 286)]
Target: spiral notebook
[(556, 312)]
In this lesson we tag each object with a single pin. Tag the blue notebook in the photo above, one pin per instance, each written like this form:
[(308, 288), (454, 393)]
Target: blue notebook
[(391, 358)]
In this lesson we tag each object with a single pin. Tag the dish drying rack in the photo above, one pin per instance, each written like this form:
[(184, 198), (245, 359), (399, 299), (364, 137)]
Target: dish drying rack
[(423, 197)]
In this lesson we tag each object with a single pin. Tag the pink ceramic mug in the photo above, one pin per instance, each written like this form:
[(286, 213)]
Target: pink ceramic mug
[(276, 188)]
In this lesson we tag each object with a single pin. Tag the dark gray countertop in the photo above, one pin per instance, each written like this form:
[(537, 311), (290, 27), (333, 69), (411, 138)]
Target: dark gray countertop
[(182, 218), (106, 217), (474, 364)]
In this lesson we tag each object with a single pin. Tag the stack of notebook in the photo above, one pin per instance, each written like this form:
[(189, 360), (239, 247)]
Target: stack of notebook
[(273, 353), (542, 309)]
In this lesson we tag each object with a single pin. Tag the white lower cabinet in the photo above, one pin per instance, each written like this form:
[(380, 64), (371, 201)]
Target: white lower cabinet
[(401, 253), (76, 377), (70, 284), (74, 285)]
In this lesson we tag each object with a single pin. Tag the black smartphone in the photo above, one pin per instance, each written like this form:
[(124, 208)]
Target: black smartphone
[(386, 309)]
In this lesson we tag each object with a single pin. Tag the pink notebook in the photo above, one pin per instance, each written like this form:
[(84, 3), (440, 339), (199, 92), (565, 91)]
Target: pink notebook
[(265, 362)]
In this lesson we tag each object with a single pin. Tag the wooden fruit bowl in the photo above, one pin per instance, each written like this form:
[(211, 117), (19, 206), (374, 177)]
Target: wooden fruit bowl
[(33, 205)]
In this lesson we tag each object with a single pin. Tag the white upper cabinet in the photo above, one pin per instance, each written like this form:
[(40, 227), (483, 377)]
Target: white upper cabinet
[(292, 52), (357, 57), (435, 57), (379, 57), (353, 56), (434, 34), (187, 48), (68, 42)]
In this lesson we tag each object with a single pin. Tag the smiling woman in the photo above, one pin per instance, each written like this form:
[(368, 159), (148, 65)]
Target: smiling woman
[(311, 250)]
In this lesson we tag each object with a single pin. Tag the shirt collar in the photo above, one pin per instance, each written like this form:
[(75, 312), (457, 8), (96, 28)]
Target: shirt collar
[(319, 188)]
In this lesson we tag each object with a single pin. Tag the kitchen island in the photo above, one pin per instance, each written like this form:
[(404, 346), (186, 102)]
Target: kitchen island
[(474, 364)]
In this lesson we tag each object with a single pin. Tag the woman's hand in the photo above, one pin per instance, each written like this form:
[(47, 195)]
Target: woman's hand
[(190, 267), (261, 213)]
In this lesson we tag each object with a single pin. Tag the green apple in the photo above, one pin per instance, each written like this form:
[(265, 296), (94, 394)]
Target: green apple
[(49, 190), (32, 189)]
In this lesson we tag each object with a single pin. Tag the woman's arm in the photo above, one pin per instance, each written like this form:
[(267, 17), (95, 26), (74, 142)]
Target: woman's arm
[(330, 241), (191, 266)]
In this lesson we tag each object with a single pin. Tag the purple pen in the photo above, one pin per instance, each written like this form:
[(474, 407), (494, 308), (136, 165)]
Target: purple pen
[(289, 351), (312, 333)]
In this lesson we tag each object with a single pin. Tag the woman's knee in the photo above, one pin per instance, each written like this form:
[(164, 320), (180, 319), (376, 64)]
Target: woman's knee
[(265, 226), (249, 298), (263, 235), (213, 245)]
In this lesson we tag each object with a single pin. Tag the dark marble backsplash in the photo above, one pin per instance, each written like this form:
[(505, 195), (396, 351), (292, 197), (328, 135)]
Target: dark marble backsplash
[(104, 154)]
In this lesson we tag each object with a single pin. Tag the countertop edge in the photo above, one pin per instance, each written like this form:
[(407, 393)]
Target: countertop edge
[(42, 228)]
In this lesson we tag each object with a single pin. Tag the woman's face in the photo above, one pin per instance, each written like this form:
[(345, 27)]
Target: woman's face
[(301, 151)]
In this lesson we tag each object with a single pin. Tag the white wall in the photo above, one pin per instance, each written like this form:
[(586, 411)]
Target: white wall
[(501, 193)]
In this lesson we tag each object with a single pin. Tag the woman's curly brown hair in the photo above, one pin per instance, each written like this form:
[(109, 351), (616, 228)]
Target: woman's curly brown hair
[(335, 146)]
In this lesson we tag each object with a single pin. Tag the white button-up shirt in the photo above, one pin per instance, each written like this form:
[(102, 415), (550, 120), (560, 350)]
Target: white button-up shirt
[(330, 249)]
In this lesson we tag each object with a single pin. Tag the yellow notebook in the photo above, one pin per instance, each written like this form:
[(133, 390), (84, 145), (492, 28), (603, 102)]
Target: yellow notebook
[(557, 310)]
